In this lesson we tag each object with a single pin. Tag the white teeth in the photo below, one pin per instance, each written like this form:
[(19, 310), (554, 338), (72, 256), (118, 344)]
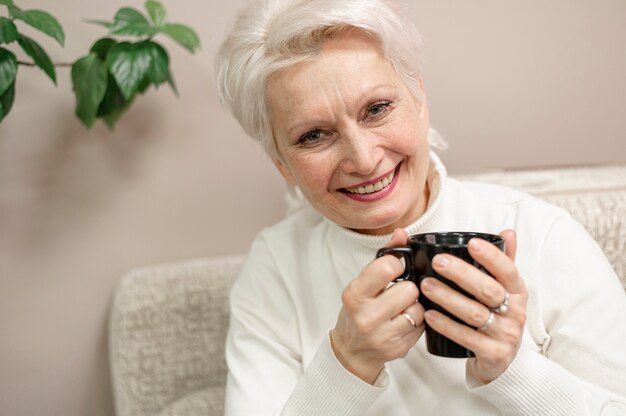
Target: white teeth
[(375, 187)]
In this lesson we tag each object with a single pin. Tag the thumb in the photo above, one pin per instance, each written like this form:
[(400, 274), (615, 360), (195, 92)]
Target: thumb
[(510, 239), (398, 238)]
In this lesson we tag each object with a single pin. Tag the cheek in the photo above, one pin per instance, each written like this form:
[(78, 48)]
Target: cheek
[(410, 141), (313, 175)]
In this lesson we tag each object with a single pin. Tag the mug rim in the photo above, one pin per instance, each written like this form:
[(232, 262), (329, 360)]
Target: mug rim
[(420, 238)]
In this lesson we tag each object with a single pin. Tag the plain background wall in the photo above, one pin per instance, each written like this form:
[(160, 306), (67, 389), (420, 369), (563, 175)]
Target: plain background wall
[(509, 83)]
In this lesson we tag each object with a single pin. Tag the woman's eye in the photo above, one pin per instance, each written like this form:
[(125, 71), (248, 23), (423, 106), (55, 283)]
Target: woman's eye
[(311, 137), (378, 108)]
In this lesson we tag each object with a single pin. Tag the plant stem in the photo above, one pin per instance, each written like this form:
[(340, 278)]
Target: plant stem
[(57, 64)]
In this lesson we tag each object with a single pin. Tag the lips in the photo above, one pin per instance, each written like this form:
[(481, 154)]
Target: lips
[(372, 187)]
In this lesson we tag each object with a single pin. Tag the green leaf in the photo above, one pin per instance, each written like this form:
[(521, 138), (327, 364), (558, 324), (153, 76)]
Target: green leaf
[(183, 35), (42, 21), (129, 64), (100, 23), (144, 85), (8, 31), (102, 47), (6, 101), (129, 21), (7, 2), (113, 104), (156, 11), (40, 57), (159, 71), (8, 69), (89, 76), (170, 81)]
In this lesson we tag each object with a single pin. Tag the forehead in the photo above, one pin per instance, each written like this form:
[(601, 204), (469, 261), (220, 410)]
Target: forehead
[(347, 67)]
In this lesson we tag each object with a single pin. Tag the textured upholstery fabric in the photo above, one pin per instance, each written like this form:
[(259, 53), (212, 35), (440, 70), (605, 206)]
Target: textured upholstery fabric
[(168, 323), (167, 332), (594, 195)]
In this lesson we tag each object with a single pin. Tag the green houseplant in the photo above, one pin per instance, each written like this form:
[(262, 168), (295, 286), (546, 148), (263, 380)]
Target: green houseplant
[(117, 68)]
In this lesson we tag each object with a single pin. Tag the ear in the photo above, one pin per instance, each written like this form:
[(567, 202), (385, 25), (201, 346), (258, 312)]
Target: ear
[(284, 171)]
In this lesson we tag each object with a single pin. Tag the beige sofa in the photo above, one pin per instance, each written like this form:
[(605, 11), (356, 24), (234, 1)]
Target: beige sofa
[(168, 322)]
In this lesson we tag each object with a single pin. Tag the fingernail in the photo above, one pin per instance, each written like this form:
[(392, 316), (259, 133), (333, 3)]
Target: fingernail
[(430, 316), (476, 244), (441, 261), (426, 285)]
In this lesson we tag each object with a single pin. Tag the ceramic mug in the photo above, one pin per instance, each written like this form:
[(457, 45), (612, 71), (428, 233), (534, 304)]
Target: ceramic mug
[(418, 256)]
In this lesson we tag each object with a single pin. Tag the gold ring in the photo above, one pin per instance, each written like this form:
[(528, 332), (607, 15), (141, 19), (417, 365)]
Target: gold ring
[(409, 318)]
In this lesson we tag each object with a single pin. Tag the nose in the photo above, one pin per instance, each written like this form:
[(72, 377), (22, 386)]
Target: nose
[(361, 152)]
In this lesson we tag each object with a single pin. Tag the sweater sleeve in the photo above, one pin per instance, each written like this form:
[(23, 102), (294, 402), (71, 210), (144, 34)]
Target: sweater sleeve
[(327, 388), (266, 375), (580, 368)]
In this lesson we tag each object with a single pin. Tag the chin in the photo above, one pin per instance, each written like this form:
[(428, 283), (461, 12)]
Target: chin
[(380, 226)]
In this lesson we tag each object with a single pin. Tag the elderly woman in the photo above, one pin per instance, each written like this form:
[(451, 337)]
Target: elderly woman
[(332, 91)]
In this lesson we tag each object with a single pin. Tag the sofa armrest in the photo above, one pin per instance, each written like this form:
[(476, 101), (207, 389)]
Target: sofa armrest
[(167, 329)]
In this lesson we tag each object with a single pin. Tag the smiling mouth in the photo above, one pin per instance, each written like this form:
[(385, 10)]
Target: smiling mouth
[(373, 187)]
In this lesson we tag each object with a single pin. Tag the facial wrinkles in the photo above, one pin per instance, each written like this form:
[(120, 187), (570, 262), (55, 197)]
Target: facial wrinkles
[(335, 94), (335, 98), (339, 107), (328, 111), (358, 159)]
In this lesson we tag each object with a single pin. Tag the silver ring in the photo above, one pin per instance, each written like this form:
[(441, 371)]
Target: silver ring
[(504, 306), (409, 318), (488, 321)]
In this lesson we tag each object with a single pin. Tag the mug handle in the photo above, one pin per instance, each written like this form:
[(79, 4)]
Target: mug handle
[(402, 251)]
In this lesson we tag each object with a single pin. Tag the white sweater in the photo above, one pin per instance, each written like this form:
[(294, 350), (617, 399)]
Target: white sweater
[(288, 295)]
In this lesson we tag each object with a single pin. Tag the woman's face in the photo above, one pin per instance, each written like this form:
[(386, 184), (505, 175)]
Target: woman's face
[(352, 137)]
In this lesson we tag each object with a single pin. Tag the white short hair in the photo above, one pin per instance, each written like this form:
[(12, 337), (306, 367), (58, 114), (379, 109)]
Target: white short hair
[(272, 35)]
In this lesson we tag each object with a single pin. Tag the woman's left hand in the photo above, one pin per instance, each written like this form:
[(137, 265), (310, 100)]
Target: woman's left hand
[(495, 343)]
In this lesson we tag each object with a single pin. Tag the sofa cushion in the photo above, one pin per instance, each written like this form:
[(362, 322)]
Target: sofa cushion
[(206, 402)]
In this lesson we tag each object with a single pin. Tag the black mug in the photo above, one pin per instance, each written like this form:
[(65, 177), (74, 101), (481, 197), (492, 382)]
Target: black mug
[(418, 256)]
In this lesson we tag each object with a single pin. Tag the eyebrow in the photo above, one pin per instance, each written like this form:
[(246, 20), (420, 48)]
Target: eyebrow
[(368, 92)]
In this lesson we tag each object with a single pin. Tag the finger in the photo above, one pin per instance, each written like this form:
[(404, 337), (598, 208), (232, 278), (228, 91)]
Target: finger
[(374, 277), (468, 310), (411, 319), (399, 237), (397, 299), (499, 265), (510, 239), (483, 287), (476, 341), (405, 336), (417, 312), (407, 317)]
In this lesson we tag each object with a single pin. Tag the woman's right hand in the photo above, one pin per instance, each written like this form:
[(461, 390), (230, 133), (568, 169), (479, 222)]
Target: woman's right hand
[(371, 329)]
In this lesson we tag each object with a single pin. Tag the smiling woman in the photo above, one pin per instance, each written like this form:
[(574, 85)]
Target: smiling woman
[(333, 93), (363, 125)]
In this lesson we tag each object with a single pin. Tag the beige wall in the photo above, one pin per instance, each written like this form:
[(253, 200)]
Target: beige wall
[(509, 84)]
